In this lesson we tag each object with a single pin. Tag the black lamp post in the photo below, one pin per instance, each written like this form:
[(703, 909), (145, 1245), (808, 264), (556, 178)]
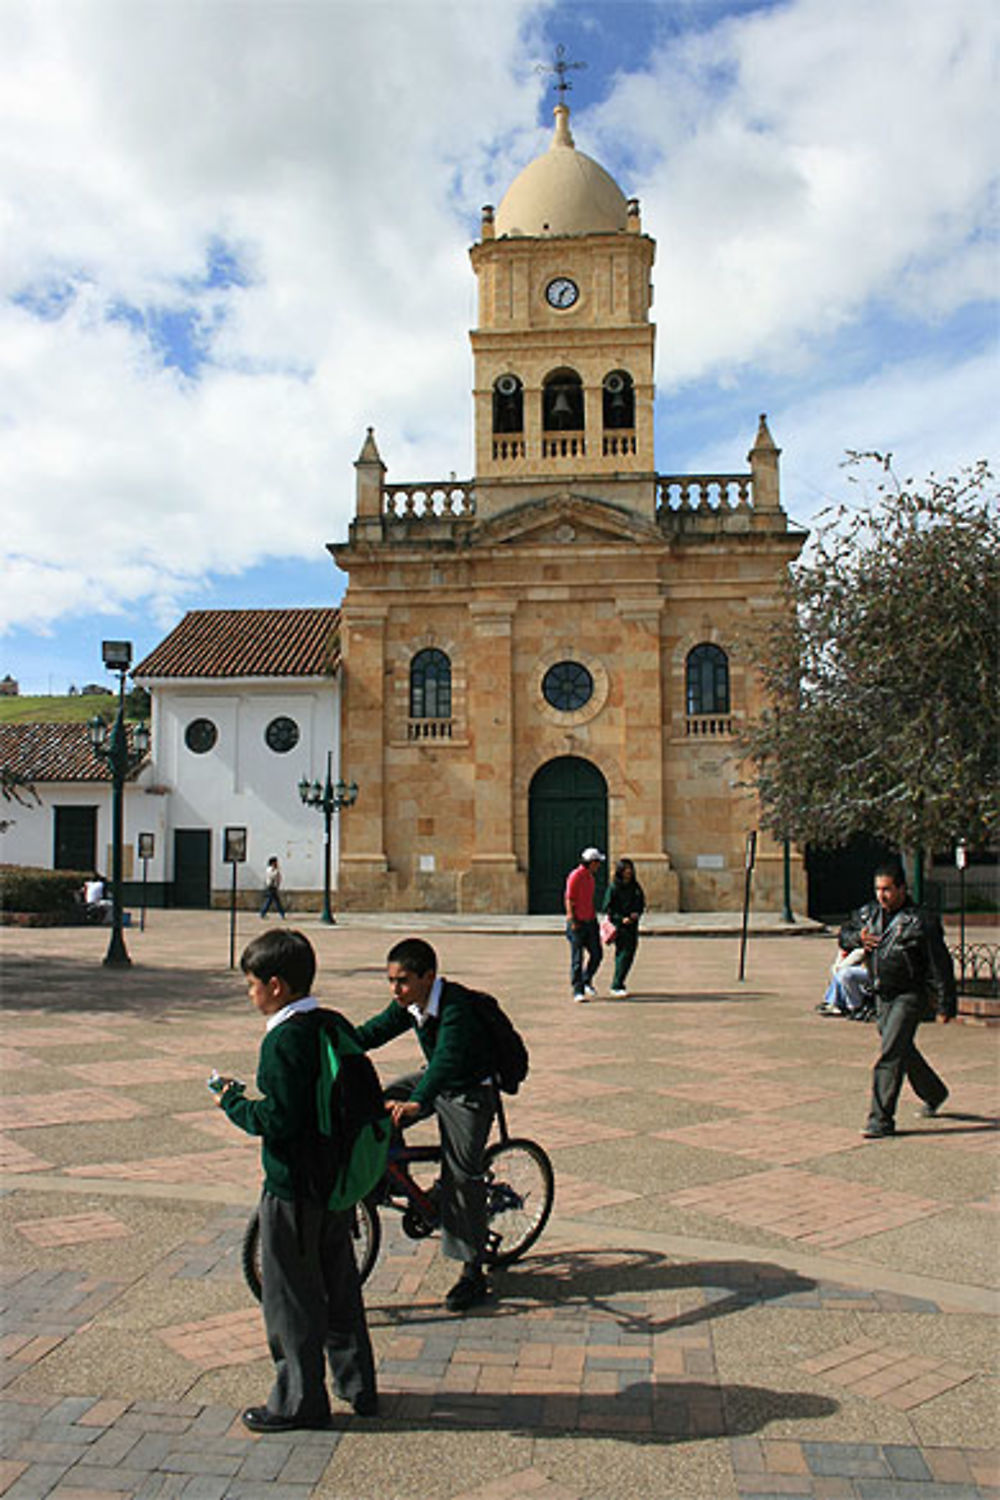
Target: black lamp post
[(327, 799), (113, 747)]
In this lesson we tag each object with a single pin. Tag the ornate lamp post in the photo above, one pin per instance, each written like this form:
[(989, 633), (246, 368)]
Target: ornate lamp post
[(327, 799), (114, 748)]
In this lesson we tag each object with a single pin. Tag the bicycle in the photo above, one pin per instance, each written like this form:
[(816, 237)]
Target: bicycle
[(519, 1195)]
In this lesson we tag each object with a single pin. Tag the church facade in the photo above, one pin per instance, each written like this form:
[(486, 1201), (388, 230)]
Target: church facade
[(553, 654)]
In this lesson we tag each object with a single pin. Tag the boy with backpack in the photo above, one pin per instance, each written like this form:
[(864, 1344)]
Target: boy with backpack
[(462, 1034), (311, 1296)]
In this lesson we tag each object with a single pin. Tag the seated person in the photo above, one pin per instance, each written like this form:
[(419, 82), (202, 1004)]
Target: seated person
[(96, 901), (849, 992)]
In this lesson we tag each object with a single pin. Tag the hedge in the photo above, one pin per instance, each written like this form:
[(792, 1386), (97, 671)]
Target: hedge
[(25, 889)]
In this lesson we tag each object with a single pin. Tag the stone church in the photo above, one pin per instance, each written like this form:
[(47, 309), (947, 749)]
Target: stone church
[(553, 653)]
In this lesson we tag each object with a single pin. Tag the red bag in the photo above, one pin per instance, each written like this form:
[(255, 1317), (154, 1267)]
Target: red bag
[(609, 931)]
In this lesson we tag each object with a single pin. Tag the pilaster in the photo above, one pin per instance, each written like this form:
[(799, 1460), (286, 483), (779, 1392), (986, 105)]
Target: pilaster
[(363, 866), (492, 882), (638, 828)]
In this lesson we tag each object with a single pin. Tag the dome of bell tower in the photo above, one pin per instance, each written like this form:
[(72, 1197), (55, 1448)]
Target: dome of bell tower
[(562, 192)]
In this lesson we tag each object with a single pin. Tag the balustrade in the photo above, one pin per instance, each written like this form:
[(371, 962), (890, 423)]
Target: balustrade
[(564, 445), (709, 724), (428, 729), (704, 492), (619, 443), (427, 501)]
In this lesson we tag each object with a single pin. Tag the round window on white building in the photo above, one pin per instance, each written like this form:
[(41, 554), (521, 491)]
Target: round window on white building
[(200, 736), (282, 735)]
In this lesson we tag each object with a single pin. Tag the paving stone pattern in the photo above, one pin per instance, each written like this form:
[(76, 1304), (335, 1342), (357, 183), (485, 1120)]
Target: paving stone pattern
[(737, 1297)]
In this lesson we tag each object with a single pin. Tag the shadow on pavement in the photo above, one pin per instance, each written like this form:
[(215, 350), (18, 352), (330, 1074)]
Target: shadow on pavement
[(65, 985), (61, 986), (607, 1281), (645, 1411)]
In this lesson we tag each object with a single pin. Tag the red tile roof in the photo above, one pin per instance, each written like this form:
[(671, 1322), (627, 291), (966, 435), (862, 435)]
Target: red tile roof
[(248, 643), (53, 752)]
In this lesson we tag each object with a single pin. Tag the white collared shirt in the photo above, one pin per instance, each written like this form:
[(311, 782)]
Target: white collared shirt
[(433, 1003), (293, 1008)]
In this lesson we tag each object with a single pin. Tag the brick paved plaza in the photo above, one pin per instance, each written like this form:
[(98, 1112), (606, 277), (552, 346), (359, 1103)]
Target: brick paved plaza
[(737, 1296)]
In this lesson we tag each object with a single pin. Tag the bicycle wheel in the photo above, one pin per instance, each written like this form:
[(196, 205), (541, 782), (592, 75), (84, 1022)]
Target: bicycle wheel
[(519, 1194), (366, 1233)]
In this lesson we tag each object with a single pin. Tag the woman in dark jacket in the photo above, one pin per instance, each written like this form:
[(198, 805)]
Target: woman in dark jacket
[(624, 903)]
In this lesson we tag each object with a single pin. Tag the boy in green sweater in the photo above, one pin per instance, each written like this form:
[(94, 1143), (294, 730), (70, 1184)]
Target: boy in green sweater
[(311, 1296), (455, 1085)]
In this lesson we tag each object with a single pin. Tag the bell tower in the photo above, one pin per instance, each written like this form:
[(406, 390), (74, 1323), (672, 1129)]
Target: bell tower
[(563, 350)]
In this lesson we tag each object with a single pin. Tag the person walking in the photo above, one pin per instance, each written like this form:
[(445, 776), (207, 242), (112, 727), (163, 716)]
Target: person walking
[(624, 904), (581, 924), (911, 970), (272, 888)]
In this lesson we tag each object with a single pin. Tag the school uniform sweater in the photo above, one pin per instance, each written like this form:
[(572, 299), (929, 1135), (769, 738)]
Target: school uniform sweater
[(285, 1115), (455, 1043)]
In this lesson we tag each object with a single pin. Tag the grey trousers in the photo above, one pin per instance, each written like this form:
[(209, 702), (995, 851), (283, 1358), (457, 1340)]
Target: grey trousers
[(311, 1300), (897, 1021), (465, 1118)]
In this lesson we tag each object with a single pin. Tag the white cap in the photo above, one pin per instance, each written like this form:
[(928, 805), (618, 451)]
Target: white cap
[(590, 853)]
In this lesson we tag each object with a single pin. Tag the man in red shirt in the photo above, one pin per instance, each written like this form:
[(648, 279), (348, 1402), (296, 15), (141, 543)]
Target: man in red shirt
[(581, 925)]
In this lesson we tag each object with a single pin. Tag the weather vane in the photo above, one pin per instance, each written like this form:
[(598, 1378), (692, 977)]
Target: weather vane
[(560, 68)]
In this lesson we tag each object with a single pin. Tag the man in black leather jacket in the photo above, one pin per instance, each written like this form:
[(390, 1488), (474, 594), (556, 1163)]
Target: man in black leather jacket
[(913, 975)]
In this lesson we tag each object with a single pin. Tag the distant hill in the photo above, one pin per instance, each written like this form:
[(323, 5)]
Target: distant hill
[(49, 709)]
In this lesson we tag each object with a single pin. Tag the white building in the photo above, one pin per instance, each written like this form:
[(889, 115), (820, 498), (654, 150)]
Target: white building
[(245, 706), (66, 825)]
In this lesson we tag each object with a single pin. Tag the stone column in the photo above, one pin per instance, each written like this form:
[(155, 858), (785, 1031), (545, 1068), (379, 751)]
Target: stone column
[(492, 882), (363, 870), (637, 821)]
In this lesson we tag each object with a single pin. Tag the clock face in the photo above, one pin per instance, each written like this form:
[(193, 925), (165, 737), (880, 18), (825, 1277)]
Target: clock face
[(561, 292)]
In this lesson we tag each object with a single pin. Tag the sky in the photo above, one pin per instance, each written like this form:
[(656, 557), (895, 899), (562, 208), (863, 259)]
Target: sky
[(234, 234)]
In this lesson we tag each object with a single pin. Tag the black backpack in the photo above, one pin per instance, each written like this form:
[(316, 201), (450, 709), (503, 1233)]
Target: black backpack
[(346, 1158), (510, 1055)]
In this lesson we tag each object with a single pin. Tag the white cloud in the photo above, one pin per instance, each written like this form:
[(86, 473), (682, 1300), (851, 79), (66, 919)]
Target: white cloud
[(317, 142), (797, 164), (887, 412)]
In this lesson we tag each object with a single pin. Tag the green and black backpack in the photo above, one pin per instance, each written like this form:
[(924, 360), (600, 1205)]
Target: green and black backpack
[(346, 1158)]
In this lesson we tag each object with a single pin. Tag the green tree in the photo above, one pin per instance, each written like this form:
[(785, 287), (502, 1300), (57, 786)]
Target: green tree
[(881, 675), (137, 703)]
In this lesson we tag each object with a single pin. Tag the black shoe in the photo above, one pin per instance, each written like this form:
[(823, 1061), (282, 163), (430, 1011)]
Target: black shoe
[(470, 1289), (259, 1419), (366, 1405), (928, 1111), (875, 1131)]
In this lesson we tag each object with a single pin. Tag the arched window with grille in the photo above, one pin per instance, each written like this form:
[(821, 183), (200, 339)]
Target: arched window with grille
[(430, 695), (508, 404), (619, 400), (562, 402), (707, 680)]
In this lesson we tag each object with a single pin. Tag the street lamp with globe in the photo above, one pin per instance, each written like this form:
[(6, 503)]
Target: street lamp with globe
[(328, 798)]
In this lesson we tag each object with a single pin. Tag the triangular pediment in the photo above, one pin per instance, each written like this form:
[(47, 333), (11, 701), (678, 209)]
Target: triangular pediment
[(564, 519)]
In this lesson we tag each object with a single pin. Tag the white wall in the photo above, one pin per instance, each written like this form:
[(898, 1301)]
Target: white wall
[(241, 781), (30, 840)]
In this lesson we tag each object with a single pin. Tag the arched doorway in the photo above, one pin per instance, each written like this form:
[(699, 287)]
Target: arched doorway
[(567, 810)]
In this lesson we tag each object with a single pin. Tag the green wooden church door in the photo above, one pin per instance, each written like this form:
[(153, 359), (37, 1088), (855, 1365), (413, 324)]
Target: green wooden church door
[(567, 810)]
